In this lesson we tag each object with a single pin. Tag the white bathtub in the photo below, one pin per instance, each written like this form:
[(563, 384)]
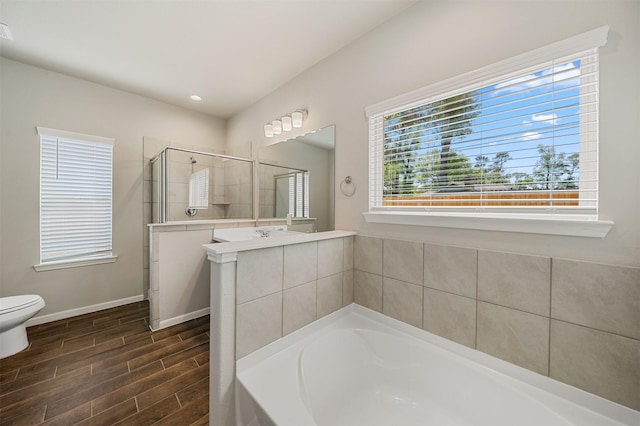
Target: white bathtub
[(358, 367)]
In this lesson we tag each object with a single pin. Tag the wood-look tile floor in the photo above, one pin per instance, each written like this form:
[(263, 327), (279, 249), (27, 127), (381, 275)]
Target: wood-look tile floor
[(107, 368)]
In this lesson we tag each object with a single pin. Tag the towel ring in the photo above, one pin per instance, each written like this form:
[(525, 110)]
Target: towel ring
[(347, 186)]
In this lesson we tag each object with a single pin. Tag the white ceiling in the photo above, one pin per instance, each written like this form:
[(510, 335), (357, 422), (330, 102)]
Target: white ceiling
[(231, 53)]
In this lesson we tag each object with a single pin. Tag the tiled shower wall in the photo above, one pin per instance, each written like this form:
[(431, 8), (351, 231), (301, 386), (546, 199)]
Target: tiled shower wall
[(281, 289), (576, 322)]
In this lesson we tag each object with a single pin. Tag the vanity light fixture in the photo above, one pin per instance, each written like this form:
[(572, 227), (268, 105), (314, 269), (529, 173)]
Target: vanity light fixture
[(285, 123)]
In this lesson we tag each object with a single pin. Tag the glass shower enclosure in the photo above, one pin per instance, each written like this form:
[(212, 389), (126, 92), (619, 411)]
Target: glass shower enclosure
[(196, 185)]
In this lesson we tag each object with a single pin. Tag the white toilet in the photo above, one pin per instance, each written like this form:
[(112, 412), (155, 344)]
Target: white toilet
[(14, 313)]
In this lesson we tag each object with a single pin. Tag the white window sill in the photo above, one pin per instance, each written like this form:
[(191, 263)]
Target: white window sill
[(50, 266), (530, 224)]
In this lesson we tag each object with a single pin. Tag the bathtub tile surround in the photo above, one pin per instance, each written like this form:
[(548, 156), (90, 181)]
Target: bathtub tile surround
[(347, 286), (515, 336), (451, 269), (599, 296), (450, 316), (403, 261), (516, 281), (330, 293), (299, 306), (258, 323), (348, 254), (367, 254), (264, 277), (367, 289), (590, 359), (330, 257), (307, 277), (246, 316), (577, 322), (300, 264), (402, 301)]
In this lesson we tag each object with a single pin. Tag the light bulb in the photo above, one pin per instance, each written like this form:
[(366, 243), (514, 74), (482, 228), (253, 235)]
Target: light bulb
[(286, 123), (268, 131), (296, 118), (277, 127)]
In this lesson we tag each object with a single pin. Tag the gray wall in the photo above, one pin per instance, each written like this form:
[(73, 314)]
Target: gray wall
[(35, 97), (435, 40)]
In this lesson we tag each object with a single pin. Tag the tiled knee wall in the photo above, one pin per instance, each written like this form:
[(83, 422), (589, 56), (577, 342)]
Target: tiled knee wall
[(281, 289), (576, 322)]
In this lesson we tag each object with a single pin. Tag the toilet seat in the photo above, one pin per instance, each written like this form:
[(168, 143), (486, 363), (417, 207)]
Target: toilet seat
[(15, 303)]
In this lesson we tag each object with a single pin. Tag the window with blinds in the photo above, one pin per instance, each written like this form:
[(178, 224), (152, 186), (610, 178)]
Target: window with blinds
[(75, 196), (517, 137), (299, 194)]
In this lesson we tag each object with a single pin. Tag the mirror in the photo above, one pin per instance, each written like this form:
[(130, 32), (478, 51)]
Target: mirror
[(296, 177)]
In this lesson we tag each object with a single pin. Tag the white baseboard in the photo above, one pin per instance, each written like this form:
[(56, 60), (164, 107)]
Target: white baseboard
[(182, 318), (83, 310)]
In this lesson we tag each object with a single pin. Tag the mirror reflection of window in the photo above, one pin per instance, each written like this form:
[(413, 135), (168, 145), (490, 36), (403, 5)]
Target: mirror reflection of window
[(291, 195), (299, 194), (312, 152), (199, 190)]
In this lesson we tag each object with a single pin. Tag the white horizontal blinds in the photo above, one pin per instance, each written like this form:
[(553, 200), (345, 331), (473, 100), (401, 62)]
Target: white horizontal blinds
[(528, 140), (292, 194), (75, 198), (305, 194), (199, 190), (299, 194)]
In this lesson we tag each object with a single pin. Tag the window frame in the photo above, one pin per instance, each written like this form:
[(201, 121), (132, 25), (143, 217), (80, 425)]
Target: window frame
[(76, 261), (509, 220)]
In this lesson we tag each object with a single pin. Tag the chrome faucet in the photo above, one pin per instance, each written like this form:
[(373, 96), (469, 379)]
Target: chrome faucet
[(263, 233)]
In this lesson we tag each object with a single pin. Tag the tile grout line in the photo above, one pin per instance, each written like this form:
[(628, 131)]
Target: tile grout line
[(475, 346), (550, 301)]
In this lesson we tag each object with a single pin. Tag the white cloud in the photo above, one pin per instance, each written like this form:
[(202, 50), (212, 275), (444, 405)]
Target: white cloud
[(529, 136), (545, 118), (561, 76)]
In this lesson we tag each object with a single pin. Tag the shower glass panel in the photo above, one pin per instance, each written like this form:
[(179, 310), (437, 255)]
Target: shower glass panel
[(195, 185)]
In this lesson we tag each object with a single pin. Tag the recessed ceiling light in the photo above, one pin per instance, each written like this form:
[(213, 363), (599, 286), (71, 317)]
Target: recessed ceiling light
[(195, 98)]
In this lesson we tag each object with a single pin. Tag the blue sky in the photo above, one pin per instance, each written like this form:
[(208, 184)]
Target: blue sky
[(519, 114)]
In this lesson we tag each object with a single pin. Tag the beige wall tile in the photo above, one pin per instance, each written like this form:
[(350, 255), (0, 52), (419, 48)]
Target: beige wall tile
[(330, 257), (347, 287), (600, 296), (402, 260), (515, 336), (258, 323), (348, 253), (596, 361), (516, 281), (300, 263), (367, 290), (402, 301), (330, 294), (259, 272), (367, 254), (452, 269), (450, 316), (298, 307)]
